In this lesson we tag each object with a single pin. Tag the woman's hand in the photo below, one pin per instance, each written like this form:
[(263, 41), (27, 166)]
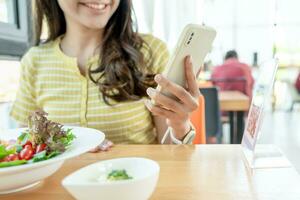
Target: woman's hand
[(176, 112), (104, 146)]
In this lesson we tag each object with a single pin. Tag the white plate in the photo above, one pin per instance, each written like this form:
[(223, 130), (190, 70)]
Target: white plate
[(13, 179)]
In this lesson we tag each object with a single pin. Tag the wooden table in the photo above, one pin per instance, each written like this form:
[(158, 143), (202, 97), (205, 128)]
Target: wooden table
[(187, 173), (233, 101), (236, 104)]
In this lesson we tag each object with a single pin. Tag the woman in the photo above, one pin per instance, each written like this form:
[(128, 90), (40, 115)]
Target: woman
[(95, 71)]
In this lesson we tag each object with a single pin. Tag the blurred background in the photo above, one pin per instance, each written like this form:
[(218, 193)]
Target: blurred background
[(257, 30)]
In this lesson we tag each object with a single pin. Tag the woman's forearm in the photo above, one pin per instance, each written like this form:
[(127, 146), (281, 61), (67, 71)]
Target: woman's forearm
[(161, 128)]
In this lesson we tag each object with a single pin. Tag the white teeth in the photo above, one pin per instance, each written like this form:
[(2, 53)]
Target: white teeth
[(100, 6)]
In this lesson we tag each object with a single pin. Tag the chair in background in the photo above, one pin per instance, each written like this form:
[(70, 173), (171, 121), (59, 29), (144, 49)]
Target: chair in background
[(198, 120), (238, 83), (231, 84), (213, 125), (205, 84)]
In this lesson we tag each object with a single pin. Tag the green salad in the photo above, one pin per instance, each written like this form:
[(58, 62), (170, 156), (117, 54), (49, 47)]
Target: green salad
[(43, 140)]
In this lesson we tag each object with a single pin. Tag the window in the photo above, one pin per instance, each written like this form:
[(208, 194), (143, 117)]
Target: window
[(15, 27), (9, 80)]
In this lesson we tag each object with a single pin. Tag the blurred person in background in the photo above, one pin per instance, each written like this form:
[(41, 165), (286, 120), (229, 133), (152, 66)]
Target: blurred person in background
[(297, 83), (233, 75)]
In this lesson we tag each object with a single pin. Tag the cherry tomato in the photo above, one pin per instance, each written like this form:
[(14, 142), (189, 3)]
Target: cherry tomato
[(41, 147), (26, 153), (27, 143), (30, 147), (6, 159), (11, 157)]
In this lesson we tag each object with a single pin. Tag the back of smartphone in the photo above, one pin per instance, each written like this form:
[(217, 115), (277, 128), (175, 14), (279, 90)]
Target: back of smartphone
[(196, 41)]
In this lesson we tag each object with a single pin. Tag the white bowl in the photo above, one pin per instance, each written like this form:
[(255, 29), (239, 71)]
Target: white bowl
[(85, 184), (17, 178)]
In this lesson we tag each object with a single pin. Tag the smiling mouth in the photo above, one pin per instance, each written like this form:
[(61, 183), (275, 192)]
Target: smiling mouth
[(95, 6)]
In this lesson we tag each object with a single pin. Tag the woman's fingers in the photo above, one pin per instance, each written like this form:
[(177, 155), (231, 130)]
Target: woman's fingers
[(165, 101), (94, 150), (188, 100), (190, 77), (159, 111), (176, 121), (104, 146)]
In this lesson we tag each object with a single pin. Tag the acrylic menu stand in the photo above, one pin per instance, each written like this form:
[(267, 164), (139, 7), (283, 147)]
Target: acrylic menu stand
[(261, 156)]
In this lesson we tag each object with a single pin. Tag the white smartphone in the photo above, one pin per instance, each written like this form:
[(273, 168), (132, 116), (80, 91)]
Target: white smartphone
[(196, 41)]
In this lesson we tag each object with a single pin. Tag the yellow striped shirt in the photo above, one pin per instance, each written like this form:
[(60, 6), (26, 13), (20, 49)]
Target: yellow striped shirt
[(50, 80)]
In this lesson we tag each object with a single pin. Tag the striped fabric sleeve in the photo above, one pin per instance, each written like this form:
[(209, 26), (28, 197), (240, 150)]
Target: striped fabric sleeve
[(25, 102), (160, 56), (159, 53)]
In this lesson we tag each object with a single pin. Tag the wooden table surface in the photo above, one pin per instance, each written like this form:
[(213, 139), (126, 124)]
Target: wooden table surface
[(233, 101), (187, 173)]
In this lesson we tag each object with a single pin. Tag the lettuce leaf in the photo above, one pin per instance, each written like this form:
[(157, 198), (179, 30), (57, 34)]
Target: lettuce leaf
[(4, 152), (12, 163), (40, 156), (53, 154), (23, 138), (68, 138)]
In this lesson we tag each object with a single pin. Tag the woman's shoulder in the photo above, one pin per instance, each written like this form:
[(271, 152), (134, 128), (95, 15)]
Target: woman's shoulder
[(35, 52), (42, 48), (39, 54)]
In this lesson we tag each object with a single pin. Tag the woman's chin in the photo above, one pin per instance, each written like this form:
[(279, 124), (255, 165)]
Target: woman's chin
[(95, 25)]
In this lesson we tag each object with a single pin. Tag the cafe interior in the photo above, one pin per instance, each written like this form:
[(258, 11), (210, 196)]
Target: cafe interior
[(256, 48)]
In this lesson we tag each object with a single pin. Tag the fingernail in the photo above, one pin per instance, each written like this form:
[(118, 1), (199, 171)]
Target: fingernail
[(151, 92), (157, 78), (191, 60)]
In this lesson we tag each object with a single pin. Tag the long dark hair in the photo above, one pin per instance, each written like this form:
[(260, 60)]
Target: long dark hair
[(124, 72)]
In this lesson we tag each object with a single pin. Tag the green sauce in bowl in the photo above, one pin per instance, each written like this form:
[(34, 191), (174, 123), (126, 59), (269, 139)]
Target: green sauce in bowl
[(116, 175)]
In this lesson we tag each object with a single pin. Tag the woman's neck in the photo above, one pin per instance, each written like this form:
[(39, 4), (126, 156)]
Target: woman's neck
[(85, 41), (82, 43)]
